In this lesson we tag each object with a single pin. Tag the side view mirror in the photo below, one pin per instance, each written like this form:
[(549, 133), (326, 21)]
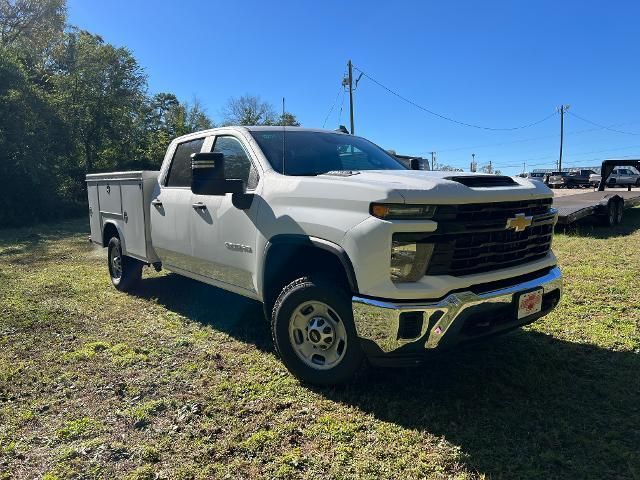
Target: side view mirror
[(414, 164), (207, 175)]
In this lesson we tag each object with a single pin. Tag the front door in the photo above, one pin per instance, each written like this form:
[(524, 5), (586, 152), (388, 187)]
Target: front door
[(224, 237)]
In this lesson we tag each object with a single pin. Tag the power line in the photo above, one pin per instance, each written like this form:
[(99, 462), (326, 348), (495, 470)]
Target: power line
[(444, 117), (332, 106), (524, 140), (341, 106), (601, 126)]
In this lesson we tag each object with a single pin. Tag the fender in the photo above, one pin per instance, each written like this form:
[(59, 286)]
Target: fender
[(309, 241), (123, 241)]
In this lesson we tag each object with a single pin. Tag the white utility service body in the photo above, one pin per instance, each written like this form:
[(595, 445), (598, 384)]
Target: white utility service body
[(229, 240)]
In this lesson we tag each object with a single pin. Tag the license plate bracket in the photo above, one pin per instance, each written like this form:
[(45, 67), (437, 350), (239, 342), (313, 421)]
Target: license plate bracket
[(529, 303)]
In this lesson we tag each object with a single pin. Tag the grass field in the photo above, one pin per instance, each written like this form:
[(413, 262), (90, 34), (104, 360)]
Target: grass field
[(180, 381)]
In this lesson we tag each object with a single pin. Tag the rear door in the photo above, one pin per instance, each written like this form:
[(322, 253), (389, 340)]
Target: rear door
[(223, 236), (171, 209)]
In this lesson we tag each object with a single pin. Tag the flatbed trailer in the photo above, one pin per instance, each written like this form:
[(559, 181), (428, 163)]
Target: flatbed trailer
[(607, 205)]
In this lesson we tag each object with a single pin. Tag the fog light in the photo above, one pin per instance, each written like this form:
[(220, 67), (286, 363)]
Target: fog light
[(409, 260)]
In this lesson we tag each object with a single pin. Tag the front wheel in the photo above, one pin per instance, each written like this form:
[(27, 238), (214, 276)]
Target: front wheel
[(313, 331), (125, 272)]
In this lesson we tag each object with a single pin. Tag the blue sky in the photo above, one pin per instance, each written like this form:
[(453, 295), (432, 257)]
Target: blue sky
[(498, 64)]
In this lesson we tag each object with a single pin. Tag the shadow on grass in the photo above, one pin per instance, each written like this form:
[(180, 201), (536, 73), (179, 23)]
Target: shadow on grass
[(525, 405), (593, 228), (233, 314)]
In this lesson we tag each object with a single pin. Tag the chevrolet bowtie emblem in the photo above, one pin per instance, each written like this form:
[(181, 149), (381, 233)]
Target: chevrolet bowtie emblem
[(519, 223)]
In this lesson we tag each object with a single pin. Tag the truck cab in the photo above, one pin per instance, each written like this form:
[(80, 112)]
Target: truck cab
[(352, 254)]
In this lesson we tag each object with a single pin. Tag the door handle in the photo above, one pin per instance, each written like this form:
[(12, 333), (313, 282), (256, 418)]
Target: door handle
[(199, 206), (156, 203)]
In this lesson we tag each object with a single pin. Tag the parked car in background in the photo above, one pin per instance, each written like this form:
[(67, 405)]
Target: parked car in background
[(619, 176), (573, 179), (556, 179)]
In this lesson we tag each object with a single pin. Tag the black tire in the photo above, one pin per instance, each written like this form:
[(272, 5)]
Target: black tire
[(638, 183), (608, 219), (127, 277), (619, 212), (292, 297)]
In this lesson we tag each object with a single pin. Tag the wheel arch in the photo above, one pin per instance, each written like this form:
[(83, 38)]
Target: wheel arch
[(279, 267), (108, 230)]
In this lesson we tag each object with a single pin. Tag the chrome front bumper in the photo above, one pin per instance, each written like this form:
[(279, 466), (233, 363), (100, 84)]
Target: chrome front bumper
[(380, 321)]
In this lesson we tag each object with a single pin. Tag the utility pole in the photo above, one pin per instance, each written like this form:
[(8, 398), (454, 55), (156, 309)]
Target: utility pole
[(561, 109), (490, 167), (433, 160), (350, 81), (473, 163)]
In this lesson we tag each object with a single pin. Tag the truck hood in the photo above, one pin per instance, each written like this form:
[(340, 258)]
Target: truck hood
[(328, 205), (416, 186)]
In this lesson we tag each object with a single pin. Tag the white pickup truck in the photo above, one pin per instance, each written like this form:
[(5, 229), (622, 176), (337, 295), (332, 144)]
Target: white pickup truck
[(353, 255)]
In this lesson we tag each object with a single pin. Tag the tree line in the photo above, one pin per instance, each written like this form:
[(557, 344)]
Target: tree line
[(72, 104)]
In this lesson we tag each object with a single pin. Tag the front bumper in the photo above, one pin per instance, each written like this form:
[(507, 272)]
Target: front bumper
[(409, 328)]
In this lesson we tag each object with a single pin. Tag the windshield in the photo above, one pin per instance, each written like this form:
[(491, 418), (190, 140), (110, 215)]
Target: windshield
[(314, 153)]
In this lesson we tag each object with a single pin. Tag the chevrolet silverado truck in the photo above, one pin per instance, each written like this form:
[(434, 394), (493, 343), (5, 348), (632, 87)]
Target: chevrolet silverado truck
[(353, 255)]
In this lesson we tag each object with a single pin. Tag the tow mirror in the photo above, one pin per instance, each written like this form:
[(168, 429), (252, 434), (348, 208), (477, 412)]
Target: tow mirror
[(207, 175)]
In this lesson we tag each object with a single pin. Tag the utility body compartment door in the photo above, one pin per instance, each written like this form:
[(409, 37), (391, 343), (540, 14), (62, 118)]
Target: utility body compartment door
[(94, 213), (133, 221)]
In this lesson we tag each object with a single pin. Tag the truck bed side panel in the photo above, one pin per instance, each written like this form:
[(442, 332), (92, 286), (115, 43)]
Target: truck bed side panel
[(122, 199)]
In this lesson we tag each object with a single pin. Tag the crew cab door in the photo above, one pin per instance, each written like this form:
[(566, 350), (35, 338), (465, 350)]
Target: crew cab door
[(171, 208), (223, 236)]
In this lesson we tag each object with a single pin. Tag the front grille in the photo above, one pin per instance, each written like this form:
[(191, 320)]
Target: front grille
[(479, 252), (490, 213), (473, 238)]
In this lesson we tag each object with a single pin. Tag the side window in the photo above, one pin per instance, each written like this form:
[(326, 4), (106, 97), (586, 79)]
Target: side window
[(180, 170), (236, 162)]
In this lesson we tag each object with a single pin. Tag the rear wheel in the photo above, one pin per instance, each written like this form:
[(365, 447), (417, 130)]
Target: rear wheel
[(125, 272), (619, 212), (313, 331), (608, 219)]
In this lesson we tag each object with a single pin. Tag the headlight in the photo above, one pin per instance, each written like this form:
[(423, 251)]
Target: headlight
[(399, 211), (409, 260)]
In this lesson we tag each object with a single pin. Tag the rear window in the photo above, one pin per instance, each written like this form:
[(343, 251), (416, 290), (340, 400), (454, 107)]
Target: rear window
[(180, 170)]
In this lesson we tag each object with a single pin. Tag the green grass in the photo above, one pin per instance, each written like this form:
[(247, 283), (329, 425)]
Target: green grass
[(180, 381)]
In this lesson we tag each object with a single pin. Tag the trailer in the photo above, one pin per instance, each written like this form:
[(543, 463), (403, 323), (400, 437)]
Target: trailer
[(607, 206)]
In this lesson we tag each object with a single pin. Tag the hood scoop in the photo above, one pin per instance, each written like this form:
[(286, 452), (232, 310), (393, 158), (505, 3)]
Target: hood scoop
[(483, 181)]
